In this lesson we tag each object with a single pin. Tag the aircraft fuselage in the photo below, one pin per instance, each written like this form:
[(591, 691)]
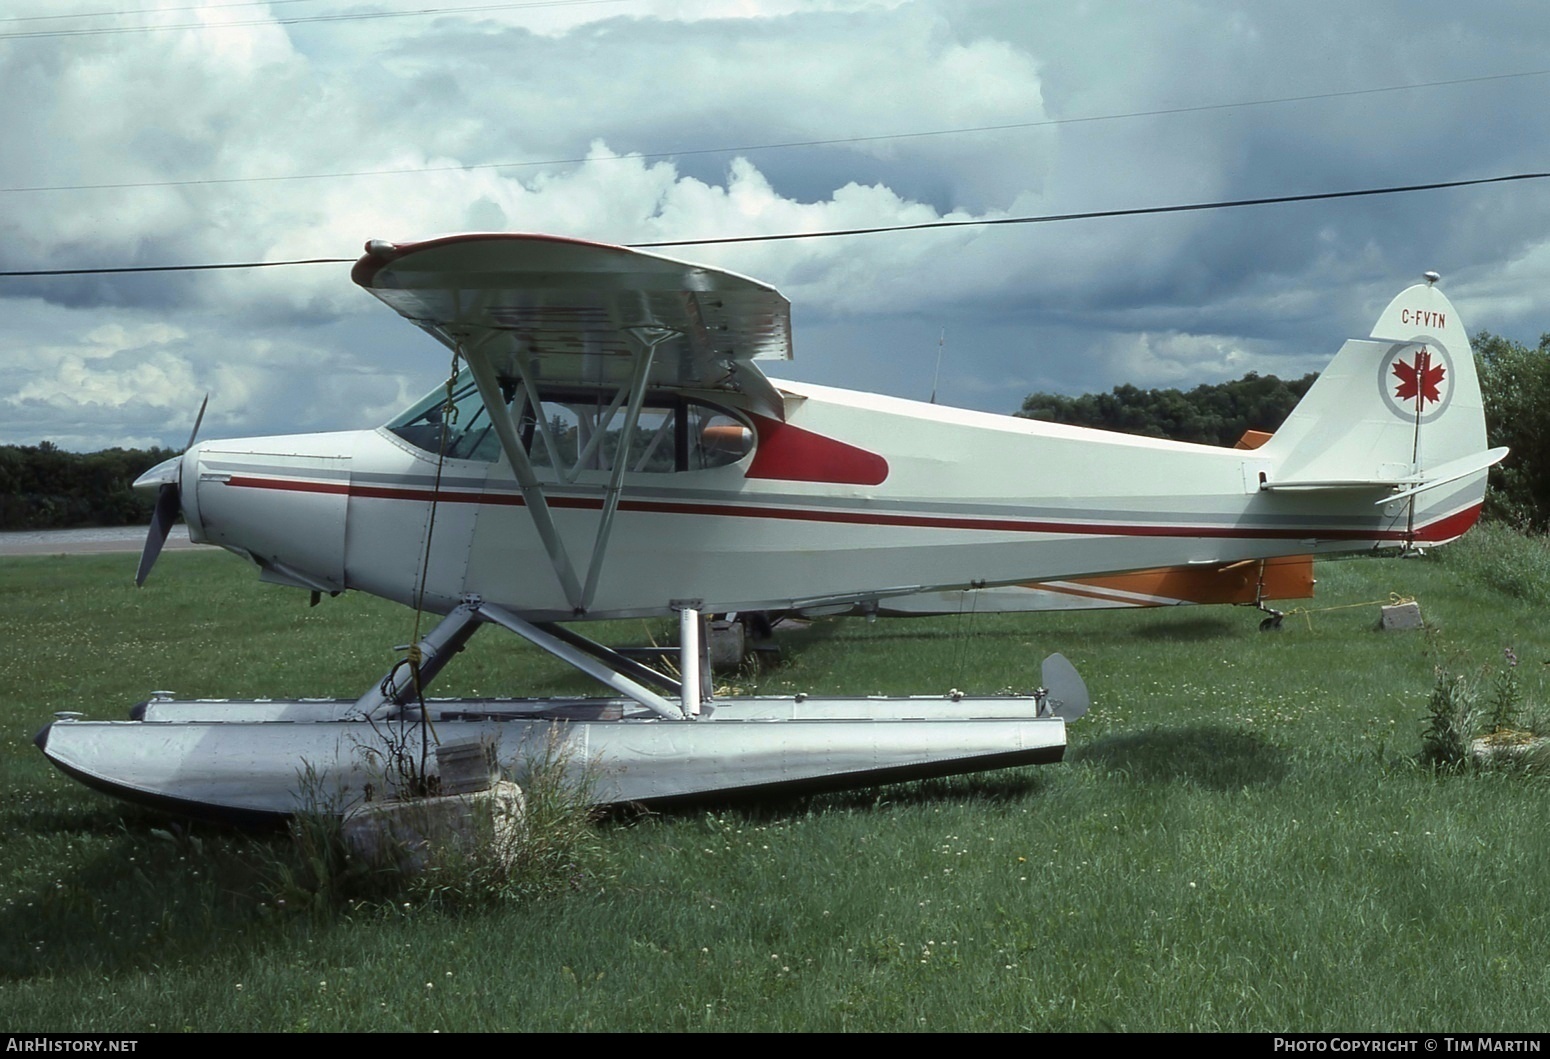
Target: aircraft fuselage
[(853, 496)]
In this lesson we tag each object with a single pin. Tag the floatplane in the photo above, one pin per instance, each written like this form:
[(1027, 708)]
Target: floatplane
[(607, 446)]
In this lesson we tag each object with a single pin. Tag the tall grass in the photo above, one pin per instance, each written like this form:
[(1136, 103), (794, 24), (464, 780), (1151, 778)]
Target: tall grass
[(1498, 557), (1242, 836)]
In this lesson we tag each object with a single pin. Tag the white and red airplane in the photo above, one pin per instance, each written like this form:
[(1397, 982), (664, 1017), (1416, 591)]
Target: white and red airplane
[(607, 446)]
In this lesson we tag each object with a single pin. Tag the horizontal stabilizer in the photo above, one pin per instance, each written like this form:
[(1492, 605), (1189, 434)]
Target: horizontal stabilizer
[(1451, 471)]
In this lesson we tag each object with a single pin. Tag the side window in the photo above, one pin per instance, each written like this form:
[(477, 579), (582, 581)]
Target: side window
[(717, 438), (572, 431), (671, 434), (560, 439), (656, 441)]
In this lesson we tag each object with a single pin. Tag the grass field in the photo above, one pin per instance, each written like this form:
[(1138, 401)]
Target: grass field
[(1239, 839)]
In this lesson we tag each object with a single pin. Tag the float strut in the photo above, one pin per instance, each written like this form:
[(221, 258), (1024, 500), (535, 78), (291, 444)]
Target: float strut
[(692, 665), (436, 650)]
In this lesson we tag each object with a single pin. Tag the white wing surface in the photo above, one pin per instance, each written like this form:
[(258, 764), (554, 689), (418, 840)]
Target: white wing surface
[(570, 312)]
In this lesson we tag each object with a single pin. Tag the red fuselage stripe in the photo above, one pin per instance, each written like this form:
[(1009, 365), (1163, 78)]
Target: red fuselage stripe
[(1443, 529)]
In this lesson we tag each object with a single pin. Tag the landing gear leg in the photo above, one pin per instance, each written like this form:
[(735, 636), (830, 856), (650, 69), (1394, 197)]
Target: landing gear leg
[(435, 650)]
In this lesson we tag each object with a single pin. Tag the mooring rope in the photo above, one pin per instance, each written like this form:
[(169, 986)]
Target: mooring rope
[(413, 656), (1307, 613)]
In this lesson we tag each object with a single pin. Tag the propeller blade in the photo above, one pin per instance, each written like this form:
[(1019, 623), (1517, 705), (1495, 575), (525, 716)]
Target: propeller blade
[(200, 418), (169, 499), (169, 502)]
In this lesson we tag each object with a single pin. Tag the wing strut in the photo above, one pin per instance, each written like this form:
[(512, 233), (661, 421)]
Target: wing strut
[(648, 339), (522, 467), (582, 660), (645, 338)]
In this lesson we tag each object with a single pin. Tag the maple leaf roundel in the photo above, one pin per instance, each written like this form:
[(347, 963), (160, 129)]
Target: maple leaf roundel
[(1417, 380)]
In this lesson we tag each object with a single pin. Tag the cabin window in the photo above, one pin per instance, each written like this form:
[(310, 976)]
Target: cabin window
[(572, 430)]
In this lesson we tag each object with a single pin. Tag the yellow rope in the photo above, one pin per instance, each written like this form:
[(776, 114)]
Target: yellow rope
[(1394, 600), (448, 417), (413, 656)]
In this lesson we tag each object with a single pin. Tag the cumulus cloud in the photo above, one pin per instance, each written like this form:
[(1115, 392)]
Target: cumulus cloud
[(212, 139), (1170, 360)]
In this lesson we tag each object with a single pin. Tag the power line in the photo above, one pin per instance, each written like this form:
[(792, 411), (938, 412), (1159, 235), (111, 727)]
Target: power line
[(155, 11), (123, 269), (786, 145), (1096, 214), (1040, 219)]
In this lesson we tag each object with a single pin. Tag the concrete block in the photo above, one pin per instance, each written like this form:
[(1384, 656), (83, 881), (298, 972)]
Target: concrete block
[(1401, 616), (415, 834)]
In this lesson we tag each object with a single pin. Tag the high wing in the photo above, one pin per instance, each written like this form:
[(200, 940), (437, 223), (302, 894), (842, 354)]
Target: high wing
[(569, 312), (527, 312)]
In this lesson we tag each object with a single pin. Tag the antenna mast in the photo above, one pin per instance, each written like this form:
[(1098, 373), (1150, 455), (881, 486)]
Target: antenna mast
[(940, 342)]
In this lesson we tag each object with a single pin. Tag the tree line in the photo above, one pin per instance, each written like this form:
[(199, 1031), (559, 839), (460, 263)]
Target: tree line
[(44, 487), (1514, 382), (1210, 414)]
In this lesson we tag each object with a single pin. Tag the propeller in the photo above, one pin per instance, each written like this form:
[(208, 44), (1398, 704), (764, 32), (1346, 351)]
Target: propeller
[(166, 478)]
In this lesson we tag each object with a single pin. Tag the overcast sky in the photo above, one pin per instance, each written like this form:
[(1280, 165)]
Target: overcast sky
[(229, 132)]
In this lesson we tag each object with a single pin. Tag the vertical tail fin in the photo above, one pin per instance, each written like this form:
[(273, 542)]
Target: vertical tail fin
[(1397, 416)]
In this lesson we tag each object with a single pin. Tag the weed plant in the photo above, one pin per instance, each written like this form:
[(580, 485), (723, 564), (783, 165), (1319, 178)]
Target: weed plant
[(1240, 838), (1503, 733), (552, 847), (542, 844), (1452, 720), (1505, 711)]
